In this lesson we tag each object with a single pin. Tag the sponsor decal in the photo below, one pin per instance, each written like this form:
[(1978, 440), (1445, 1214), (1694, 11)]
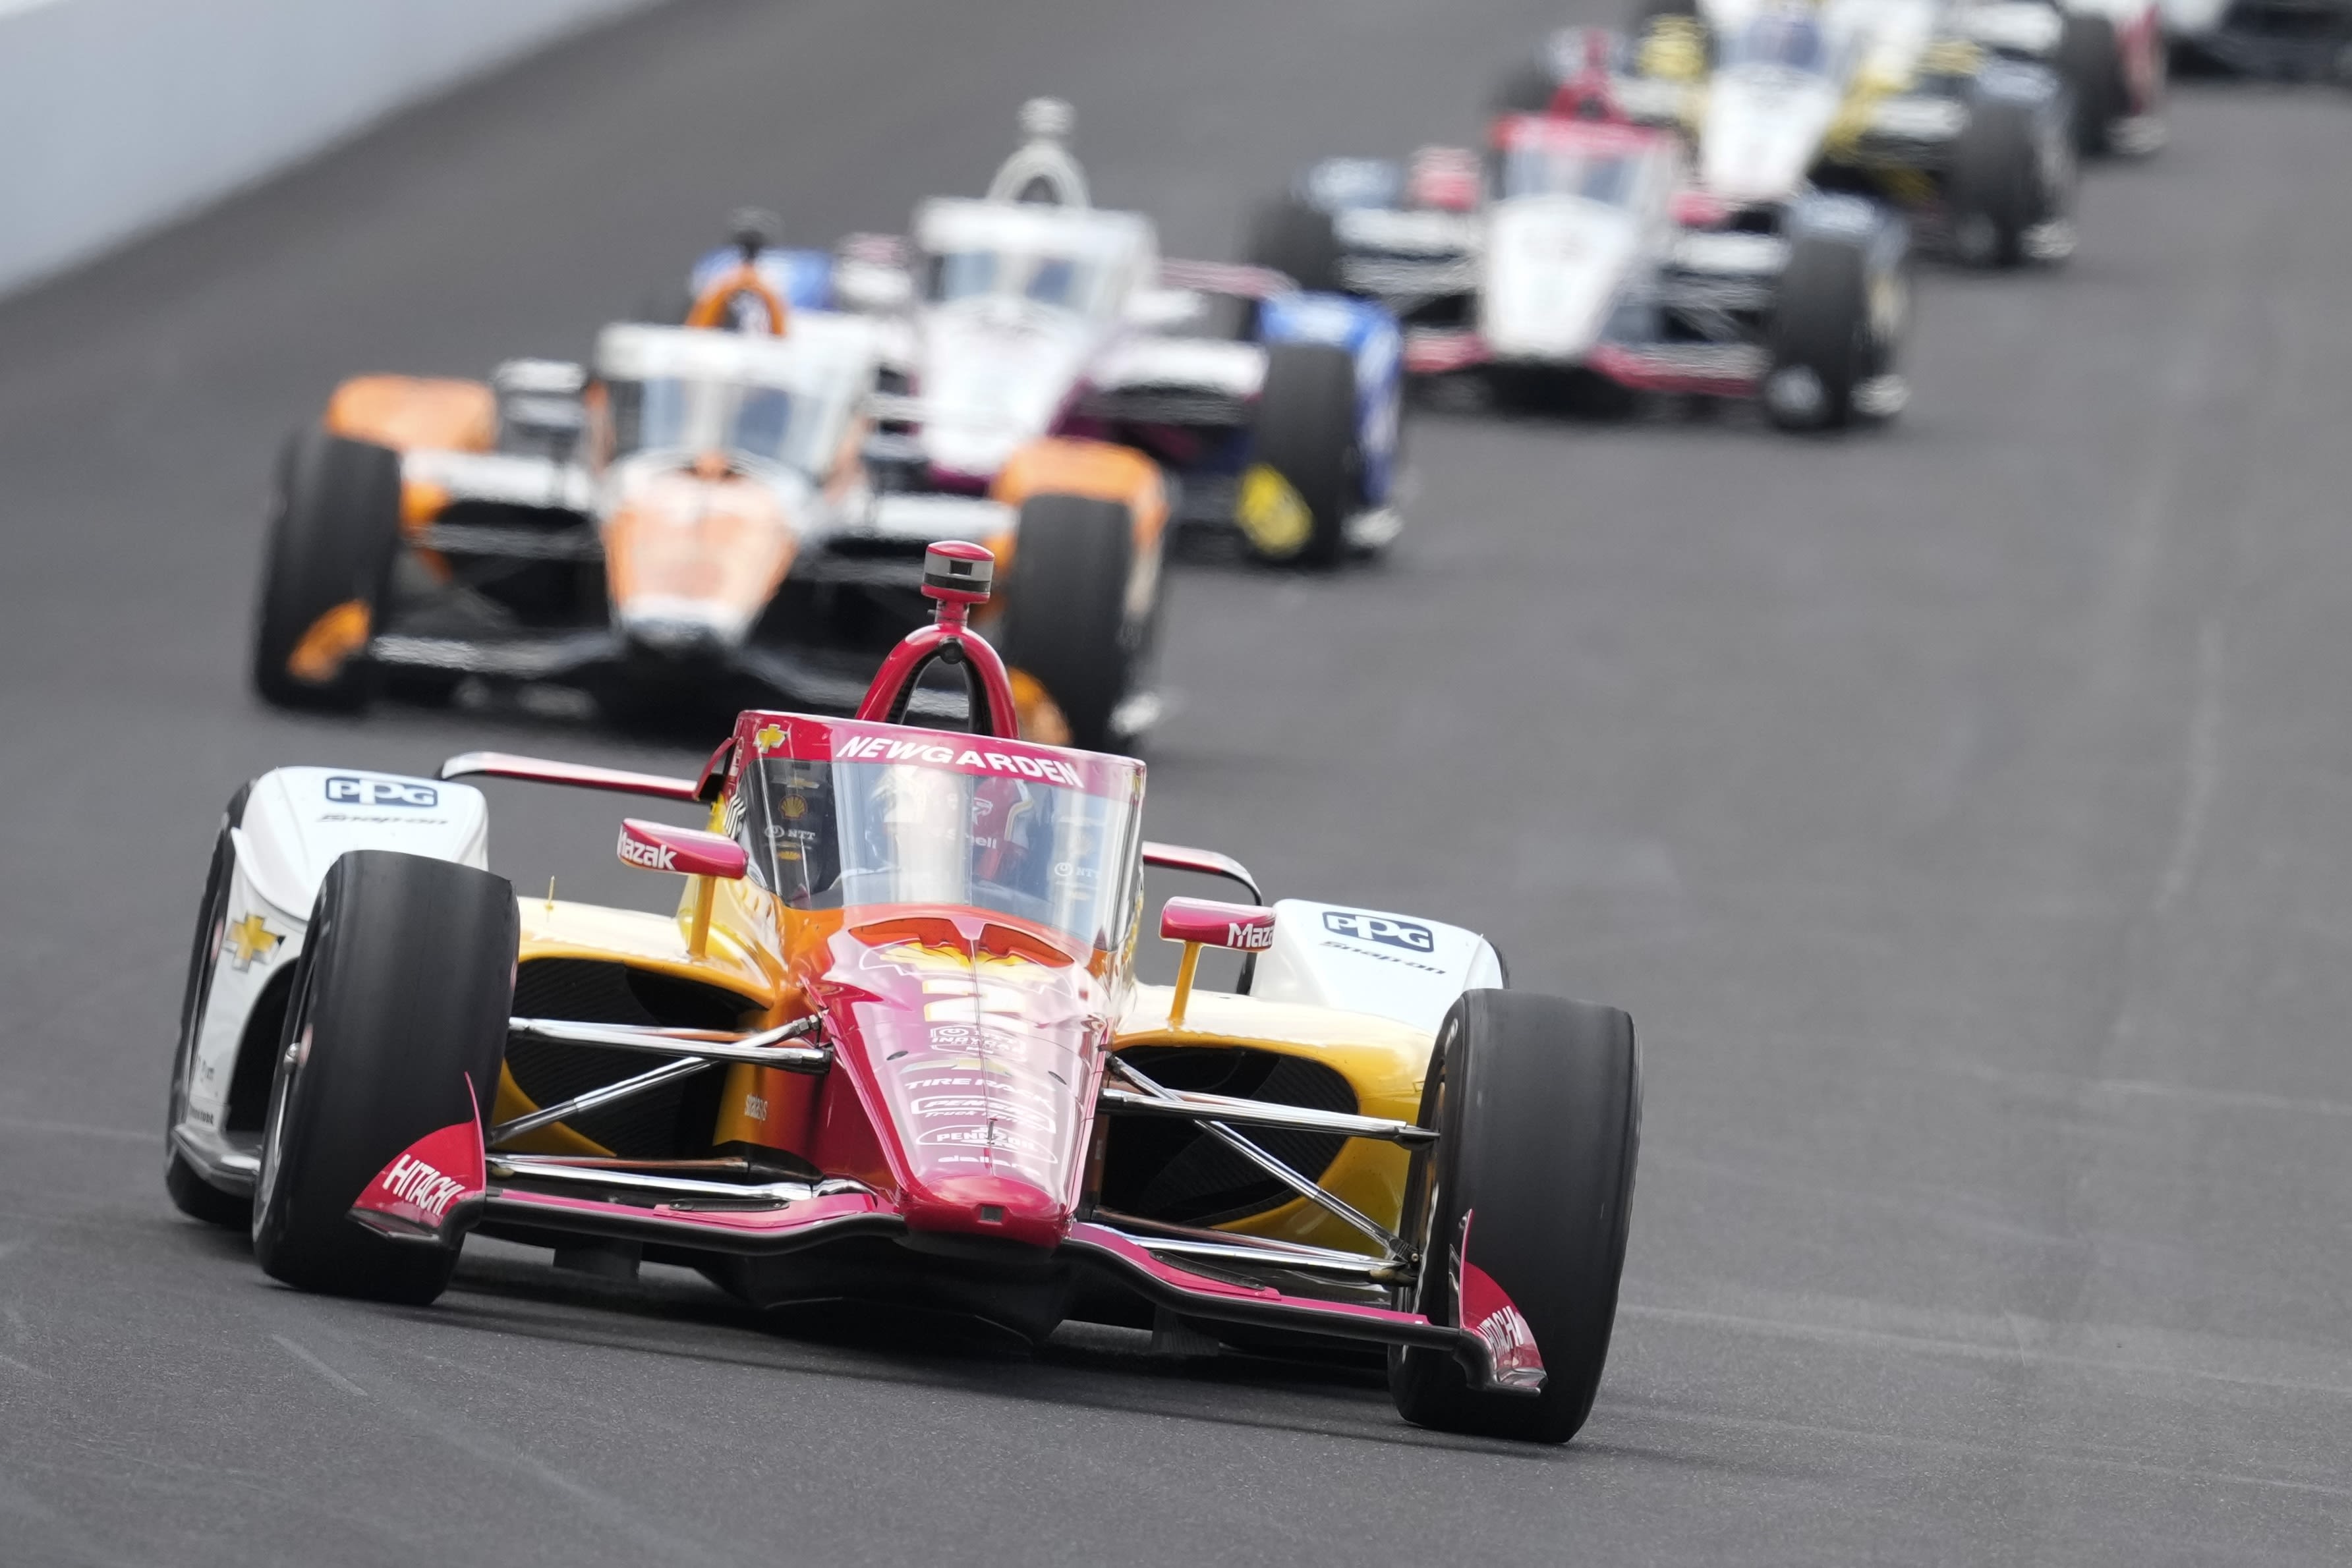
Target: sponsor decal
[(1249, 937), (1270, 511), (416, 1194), (421, 1187), (964, 1107), (250, 941), (1381, 929), (883, 748), (983, 1135), (768, 737), (755, 1107), (348, 790), (642, 852)]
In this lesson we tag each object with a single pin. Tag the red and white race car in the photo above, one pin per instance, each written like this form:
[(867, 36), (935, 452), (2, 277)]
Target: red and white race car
[(892, 1048)]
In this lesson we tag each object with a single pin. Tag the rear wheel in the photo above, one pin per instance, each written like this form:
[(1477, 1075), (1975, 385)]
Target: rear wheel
[(1822, 338), (329, 563), (1520, 1208), (396, 1030), (190, 1193), (1299, 241), (1069, 626), (1306, 474)]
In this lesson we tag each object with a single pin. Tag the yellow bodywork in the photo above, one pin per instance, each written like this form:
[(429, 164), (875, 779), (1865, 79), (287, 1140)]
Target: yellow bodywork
[(1383, 1061)]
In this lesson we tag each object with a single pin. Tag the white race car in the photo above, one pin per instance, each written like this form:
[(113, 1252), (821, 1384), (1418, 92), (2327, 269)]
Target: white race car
[(1031, 315)]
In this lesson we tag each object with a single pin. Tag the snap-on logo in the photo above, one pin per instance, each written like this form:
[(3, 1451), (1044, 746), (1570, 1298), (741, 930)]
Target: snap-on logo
[(346, 790), (415, 1182), (1381, 929), (652, 856)]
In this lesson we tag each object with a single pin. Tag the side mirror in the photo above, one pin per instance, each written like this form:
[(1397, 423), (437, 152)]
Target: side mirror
[(1206, 922), (689, 851), (1201, 922)]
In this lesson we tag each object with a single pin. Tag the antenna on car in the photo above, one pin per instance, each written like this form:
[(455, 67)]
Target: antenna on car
[(956, 577), (1042, 172)]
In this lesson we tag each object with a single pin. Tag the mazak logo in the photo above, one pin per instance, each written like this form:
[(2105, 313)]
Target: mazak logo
[(421, 1187), (1249, 939), (644, 852), (1380, 928), (344, 790)]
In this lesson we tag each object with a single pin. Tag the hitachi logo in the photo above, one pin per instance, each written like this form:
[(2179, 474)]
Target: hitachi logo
[(420, 1186)]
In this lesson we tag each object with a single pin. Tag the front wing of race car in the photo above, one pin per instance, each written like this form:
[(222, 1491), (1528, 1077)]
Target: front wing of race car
[(1310, 1259)]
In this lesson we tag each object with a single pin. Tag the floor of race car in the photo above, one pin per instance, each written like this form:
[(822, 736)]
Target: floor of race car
[(1960, 807)]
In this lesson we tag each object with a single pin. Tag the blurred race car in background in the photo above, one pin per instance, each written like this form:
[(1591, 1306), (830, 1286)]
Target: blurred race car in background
[(1889, 98), (1032, 316), (695, 525), (2290, 40), (891, 1051), (1577, 248)]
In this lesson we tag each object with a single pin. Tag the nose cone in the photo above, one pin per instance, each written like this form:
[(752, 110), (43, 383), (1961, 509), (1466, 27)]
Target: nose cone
[(985, 1206), (1553, 264), (1761, 135), (993, 378)]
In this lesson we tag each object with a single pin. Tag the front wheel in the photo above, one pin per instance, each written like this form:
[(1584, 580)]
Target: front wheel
[(1305, 477), (1071, 626), (1836, 321), (327, 570), (1520, 1209), (396, 1030)]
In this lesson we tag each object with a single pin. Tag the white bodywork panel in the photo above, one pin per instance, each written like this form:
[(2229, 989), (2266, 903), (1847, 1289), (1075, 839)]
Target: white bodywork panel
[(1763, 127), (1369, 961), (298, 822), (1552, 265)]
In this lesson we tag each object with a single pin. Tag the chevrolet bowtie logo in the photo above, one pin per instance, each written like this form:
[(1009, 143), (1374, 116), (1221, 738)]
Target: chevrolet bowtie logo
[(249, 939)]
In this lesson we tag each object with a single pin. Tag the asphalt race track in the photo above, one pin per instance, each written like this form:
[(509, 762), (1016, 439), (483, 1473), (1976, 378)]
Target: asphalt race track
[(1963, 810)]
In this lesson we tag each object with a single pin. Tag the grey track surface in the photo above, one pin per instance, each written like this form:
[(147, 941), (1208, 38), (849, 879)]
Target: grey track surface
[(1962, 810)]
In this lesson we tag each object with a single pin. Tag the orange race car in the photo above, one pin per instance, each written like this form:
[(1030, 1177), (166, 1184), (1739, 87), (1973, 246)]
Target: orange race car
[(689, 521)]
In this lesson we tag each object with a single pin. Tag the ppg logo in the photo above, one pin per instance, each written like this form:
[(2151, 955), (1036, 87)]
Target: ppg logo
[(345, 790), (1380, 928)]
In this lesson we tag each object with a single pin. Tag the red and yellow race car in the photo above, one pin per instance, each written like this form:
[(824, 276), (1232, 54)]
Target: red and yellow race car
[(892, 1048)]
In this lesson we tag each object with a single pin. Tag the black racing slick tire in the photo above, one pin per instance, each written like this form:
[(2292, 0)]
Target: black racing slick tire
[(190, 1193), (2000, 189), (396, 1030), (1305, 472), (324, 577), (1069, 626), (1536, 1103), (1819, 337), (1299, 240)]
